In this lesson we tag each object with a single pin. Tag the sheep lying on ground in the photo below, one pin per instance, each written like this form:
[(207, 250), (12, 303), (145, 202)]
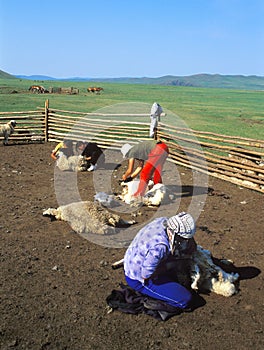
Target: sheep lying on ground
[(88, 217), (72, 163), (153, 197), (6, 130), (128, 188), (206, 276)]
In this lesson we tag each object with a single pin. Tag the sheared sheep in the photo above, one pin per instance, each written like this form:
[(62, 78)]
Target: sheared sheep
[(153, 197), (205, 275), (6, 130), (88, 217)]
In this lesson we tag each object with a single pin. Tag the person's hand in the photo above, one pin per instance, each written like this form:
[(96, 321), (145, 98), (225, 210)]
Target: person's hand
[(128, 179), (53, 156)]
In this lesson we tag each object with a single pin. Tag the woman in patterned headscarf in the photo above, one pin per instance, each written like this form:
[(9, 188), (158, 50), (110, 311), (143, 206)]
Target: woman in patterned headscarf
[(148, 252)]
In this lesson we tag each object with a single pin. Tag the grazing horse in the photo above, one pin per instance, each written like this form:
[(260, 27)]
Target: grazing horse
[(37, 89), (95, 89)]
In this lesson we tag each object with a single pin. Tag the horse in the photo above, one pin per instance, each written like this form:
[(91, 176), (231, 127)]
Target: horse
[(95, 89), (37, 89)]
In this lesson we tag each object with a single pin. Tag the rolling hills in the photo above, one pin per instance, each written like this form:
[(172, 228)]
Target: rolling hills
[(240, 82), (4, 75)]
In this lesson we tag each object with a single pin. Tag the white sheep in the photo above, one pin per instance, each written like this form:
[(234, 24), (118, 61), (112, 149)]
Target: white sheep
[(206, 275), (153, 196), (7, 129), (88, 217)]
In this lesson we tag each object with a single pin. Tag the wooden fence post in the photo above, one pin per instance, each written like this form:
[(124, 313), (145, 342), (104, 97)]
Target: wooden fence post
[(46, 120)]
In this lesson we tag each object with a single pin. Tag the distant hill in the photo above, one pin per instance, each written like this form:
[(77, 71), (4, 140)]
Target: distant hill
[(199, 80), (240, 82), (35, 77), (4, 75)]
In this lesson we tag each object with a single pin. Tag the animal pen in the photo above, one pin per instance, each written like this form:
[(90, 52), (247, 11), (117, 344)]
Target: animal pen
[(231, 158)]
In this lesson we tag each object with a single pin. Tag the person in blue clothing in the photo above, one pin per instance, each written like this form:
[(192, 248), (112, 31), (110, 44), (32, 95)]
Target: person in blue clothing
[(148, 253)]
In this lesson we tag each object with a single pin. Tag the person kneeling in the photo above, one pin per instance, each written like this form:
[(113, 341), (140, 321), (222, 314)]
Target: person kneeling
[(154, 247), (92, 153)]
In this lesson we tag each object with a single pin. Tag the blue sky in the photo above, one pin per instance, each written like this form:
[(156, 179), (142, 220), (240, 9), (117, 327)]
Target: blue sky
[(135, 38)]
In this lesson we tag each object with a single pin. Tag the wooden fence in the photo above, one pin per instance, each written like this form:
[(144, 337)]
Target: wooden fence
[(30, 125), (231, 158), (63, 90)]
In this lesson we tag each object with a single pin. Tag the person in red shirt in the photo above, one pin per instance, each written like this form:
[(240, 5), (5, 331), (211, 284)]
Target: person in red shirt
[(151, 156)]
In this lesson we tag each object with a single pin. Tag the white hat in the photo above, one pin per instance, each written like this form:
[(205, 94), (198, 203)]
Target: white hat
[(182, 225), (125, 149)]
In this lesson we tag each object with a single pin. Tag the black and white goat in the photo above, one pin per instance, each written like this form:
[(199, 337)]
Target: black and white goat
[(205, 275)]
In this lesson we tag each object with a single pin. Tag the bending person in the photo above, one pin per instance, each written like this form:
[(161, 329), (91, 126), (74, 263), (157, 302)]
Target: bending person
[(92, 153), (65, 147), (151, 156)]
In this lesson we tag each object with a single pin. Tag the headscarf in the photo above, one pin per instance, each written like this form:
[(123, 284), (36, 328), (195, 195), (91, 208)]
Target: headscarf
[(181, 225)]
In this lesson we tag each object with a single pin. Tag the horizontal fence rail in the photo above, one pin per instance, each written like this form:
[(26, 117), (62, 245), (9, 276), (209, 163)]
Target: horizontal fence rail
[(30, 126), (230, 158)]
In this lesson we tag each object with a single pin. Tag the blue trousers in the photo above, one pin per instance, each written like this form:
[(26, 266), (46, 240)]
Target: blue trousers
[(162, 288)]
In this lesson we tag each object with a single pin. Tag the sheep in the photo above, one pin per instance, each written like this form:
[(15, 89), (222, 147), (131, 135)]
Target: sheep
[(128, 188), (6, 130), (153, 197), (205, 275), (88, 217), (72, 163)]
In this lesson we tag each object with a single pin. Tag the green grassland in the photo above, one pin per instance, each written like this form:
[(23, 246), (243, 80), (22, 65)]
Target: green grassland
[(223, 111)]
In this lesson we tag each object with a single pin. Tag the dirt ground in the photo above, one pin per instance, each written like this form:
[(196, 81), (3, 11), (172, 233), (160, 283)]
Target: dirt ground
[(54, 282)]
